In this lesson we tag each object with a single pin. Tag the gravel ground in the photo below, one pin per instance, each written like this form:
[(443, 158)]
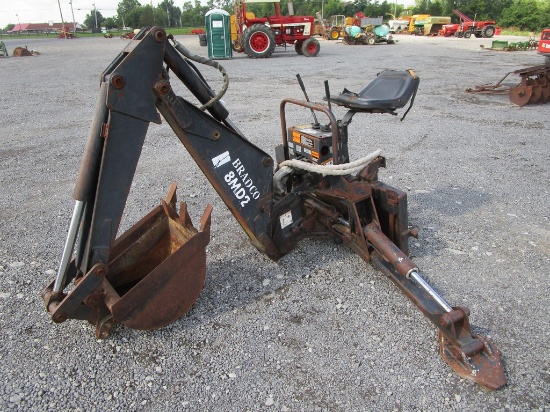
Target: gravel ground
[(320, 329)]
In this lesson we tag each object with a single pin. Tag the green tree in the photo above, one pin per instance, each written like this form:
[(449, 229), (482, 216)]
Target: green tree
[(90, 20), (193, 14), (333, 7), (544, 15), (161, 17), (173, 13), (147, 16), (435, 8), (132, 18), (524, 14), (111, 23), (129, 11), (187, 15), (475, 9)]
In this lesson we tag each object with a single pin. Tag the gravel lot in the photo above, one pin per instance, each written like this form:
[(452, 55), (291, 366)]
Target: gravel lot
[(318, 330)]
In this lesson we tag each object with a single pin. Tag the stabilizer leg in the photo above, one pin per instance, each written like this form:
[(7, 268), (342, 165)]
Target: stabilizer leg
[(472, 357)]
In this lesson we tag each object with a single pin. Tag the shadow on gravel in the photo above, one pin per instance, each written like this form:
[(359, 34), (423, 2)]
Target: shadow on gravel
[(435, 213), (450, 201), (249, 277)]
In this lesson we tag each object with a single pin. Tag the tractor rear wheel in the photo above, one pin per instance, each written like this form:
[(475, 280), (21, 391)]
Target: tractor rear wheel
[(258, 41), (311, 47), (488, 31), (334, 33), (298, 47)]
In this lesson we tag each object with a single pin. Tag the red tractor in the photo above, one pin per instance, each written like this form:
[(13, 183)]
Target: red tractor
[(544, 45), (483, 28), (258, 36)]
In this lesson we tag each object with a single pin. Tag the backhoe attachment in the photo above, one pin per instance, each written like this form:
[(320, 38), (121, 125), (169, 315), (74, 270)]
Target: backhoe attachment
[(152, 274)]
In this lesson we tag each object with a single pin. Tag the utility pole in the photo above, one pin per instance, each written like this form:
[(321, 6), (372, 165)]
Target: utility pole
[(72, 11), (62, 21), (95, 12)]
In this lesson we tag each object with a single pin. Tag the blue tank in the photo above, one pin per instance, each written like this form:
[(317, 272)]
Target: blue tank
[(381, 30), (353, 30)]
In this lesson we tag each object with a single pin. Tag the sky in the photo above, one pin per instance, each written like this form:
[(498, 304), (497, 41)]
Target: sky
[(42, 11)]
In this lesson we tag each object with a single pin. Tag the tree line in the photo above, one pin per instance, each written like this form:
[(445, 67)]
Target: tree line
[(527, 15)]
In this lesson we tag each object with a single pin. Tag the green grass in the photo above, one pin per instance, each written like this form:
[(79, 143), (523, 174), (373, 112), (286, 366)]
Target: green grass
[(173, 30), (183, 30), (516, 31)]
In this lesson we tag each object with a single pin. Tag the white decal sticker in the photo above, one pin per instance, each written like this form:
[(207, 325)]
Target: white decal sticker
[(221, 159), (286, 219), (309, 131), (240, 182), (306, 141)]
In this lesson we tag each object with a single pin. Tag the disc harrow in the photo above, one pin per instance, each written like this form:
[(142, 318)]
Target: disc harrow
[(534, 87)]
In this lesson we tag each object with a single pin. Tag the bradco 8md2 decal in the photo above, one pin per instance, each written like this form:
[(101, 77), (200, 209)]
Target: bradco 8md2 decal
[(238, 181)]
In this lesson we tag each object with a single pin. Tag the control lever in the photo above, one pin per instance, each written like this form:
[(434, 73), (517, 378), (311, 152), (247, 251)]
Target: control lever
[(316, 125)]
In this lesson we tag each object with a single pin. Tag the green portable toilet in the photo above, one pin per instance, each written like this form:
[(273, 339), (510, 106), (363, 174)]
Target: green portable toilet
[(218, 34)]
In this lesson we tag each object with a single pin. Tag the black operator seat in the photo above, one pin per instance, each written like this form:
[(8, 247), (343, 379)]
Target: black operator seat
[(390, 90)]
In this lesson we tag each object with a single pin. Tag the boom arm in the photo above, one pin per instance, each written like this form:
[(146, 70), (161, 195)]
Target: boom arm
[(123, 280)]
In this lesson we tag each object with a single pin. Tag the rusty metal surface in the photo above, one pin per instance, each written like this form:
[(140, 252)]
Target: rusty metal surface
[(521, 94), (21, 52), (534, 86), (168, 291), (340, 206), (484, 367), (472, 357), (156, 272)]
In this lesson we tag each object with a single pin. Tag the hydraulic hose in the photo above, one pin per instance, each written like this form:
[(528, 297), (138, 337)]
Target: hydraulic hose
[(343, 169), (206, 61)]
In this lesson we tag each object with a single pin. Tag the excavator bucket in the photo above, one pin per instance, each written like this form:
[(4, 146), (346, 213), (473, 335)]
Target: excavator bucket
[(158, 269), (534, 87), (155, 273)]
